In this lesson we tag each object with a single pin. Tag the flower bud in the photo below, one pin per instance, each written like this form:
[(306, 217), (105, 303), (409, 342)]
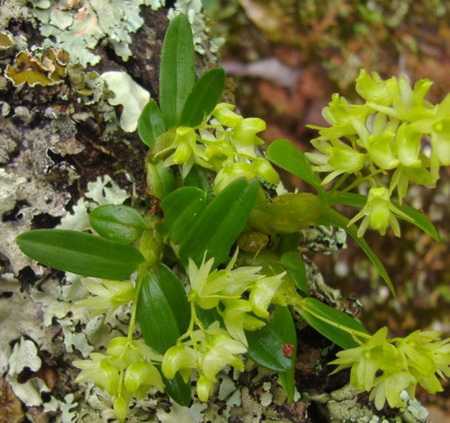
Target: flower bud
[(265, 171), (142, 374), (223, 112), (345, 159), (230, 173), (204, 388), (107, 377), (380, 212), (262, 293), (244, 135), (178, 357)]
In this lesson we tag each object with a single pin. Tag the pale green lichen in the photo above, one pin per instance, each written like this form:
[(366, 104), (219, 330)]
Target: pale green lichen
[(78, 26), (12, 9), (99, 192), (129, 94)]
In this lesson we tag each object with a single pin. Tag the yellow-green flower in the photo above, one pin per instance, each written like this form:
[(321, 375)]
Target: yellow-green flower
[(345, 119), (389, 387), (180, 357), (208, 352), (99, 370), (380, 149), (262, 293), (379, 213), (140, 376), (427, 357), (406, 103), (336, 157), (371, 87), (365, 361), (223, 351), (209, 287), (106, 295), (125, 371), (224, 113), (250, 169), (237, 318), (387, 367)]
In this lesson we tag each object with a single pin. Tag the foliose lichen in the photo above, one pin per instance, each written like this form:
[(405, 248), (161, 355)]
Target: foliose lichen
[(78, 26)]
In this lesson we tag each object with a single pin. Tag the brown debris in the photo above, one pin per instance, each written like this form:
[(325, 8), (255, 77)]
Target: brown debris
[(10, 407)]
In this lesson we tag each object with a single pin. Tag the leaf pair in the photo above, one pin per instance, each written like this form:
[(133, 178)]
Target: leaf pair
[(183, 100), (197, 227), (108, 257)]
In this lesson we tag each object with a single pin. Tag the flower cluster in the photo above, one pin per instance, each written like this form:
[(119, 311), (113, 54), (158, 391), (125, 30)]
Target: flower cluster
[(124, 372), (387, 367), (383, 142), (225, 144), (209, 350)]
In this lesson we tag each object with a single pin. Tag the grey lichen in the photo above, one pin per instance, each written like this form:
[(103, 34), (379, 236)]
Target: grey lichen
[(343, 405), (79, 26), (204, 43)]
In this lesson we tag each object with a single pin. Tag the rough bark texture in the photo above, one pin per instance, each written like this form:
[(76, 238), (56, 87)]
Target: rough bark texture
[(62, 151)]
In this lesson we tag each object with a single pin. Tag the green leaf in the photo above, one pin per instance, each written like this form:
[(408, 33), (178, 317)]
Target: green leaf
[(293, 263), (220, 223), (267, 346), (332, 217), (179, 390), (208, 317), (177, 72), (206, 93), (197, 177), (163, 311), (417, 217), (287, 381), (160, 179), (347, 199), (333, 324), (421, 221), (117, 223), (150, 124), (80, 253), (284, 154), (181, 209)]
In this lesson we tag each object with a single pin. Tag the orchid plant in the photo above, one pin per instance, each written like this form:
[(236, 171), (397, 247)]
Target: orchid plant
[(214, 275)]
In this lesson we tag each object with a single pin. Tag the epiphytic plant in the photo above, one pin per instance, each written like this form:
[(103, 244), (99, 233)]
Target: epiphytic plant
[(216, 274)]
